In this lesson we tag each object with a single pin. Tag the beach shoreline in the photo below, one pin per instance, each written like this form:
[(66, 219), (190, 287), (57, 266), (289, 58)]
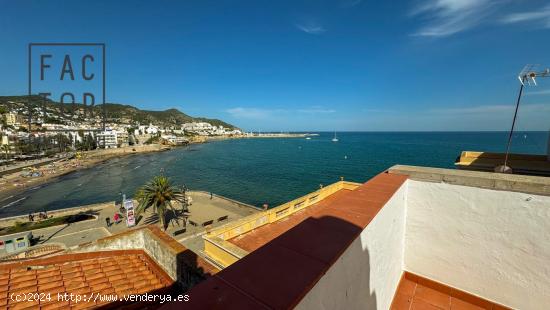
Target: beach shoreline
[(14, 184)]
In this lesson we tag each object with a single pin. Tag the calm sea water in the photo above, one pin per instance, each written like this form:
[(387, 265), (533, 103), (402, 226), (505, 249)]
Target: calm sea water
[(273, 171)]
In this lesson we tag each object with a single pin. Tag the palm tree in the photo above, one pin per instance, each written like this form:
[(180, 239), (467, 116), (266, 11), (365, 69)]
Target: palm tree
[(160, 194)]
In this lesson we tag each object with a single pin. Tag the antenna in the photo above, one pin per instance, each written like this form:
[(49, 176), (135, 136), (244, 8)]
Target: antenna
[(529, 74)]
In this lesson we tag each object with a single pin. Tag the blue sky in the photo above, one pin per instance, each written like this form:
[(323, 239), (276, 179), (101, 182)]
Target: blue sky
[(304, 65)]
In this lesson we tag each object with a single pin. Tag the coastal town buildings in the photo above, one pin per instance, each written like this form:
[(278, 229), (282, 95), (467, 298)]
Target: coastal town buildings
[(50, 124)]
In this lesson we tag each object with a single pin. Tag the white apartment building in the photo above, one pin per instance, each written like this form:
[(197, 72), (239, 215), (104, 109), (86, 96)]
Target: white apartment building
[(150, 129), (107, 139), (174, 139)]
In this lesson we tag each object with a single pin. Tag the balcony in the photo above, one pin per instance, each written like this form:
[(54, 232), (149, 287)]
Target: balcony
[(410, 238)]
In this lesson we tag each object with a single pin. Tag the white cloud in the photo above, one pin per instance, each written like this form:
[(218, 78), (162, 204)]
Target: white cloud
[(261, 113), (316, 110), (251, 113), (448, 17), (311, 28), (541, 16)]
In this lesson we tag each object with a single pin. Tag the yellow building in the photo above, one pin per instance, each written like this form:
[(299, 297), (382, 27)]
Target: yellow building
[(10, 118)]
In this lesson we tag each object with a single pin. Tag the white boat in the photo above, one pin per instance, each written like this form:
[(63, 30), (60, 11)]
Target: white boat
[(335, 139), (308, 138)]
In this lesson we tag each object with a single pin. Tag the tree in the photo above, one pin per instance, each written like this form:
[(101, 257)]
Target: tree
[(160, 194)]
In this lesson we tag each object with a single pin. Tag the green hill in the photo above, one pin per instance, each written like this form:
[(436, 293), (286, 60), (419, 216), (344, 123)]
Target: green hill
[(117, 112)]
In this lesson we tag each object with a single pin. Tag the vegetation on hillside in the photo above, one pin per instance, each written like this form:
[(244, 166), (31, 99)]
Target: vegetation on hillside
[(114, 111)]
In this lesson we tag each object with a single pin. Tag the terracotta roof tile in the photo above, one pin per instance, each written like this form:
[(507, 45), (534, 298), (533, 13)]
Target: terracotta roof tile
[(98, 277), (55, 305), (24, 305), (22, 284), (50, 285), (81, 273), (53, 290)]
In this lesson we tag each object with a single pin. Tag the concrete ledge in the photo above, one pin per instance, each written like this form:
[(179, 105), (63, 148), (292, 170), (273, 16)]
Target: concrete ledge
[(489, 180), (223, 252)]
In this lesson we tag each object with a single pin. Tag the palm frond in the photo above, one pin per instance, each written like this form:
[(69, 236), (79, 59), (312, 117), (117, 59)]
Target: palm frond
[(158, 194)]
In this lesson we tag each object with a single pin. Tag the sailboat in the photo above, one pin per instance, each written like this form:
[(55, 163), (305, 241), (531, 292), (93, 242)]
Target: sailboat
[(335, 139)]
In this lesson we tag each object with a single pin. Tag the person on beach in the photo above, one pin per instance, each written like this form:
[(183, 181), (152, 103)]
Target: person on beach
[(108, 221), (116, 218)]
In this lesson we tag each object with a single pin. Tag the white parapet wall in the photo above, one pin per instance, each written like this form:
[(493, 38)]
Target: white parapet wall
[(367, 274), (491, 243)]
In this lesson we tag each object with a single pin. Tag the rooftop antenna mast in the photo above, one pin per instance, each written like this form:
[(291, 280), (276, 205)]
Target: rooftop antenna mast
[(528, 76)]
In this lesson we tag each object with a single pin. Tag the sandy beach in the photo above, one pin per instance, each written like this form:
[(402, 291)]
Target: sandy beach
[(14, 183)]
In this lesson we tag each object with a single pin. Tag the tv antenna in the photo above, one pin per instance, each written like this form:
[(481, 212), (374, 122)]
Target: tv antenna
[(528, 76)]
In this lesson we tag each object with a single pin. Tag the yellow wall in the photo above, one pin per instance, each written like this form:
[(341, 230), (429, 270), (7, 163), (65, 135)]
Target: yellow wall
[(226, 253)]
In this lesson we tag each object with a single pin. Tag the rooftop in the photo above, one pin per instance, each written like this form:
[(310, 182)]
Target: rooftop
[(106, 273), (256, 238), (410, 238), (138, 261)]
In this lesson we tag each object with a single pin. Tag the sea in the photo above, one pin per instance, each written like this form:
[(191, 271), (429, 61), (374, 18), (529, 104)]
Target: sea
[(269, 171)]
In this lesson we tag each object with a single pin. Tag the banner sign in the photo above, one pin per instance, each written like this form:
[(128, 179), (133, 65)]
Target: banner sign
[(130, 213)]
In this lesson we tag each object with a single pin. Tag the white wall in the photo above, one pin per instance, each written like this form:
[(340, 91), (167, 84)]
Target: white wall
[(367, 274), (493, 244)]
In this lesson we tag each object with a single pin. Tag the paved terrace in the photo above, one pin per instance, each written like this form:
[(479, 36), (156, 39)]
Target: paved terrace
[(202, 211), (256, 238), (410, 238)]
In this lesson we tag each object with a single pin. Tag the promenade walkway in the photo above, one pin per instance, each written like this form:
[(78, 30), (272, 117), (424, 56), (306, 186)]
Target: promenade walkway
[(204, 209)]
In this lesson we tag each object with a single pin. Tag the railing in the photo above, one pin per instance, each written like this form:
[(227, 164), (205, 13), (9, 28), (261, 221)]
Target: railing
[(225, 253), (34, 252)]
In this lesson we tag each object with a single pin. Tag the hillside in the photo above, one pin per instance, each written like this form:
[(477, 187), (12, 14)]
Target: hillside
[(116, 111)]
